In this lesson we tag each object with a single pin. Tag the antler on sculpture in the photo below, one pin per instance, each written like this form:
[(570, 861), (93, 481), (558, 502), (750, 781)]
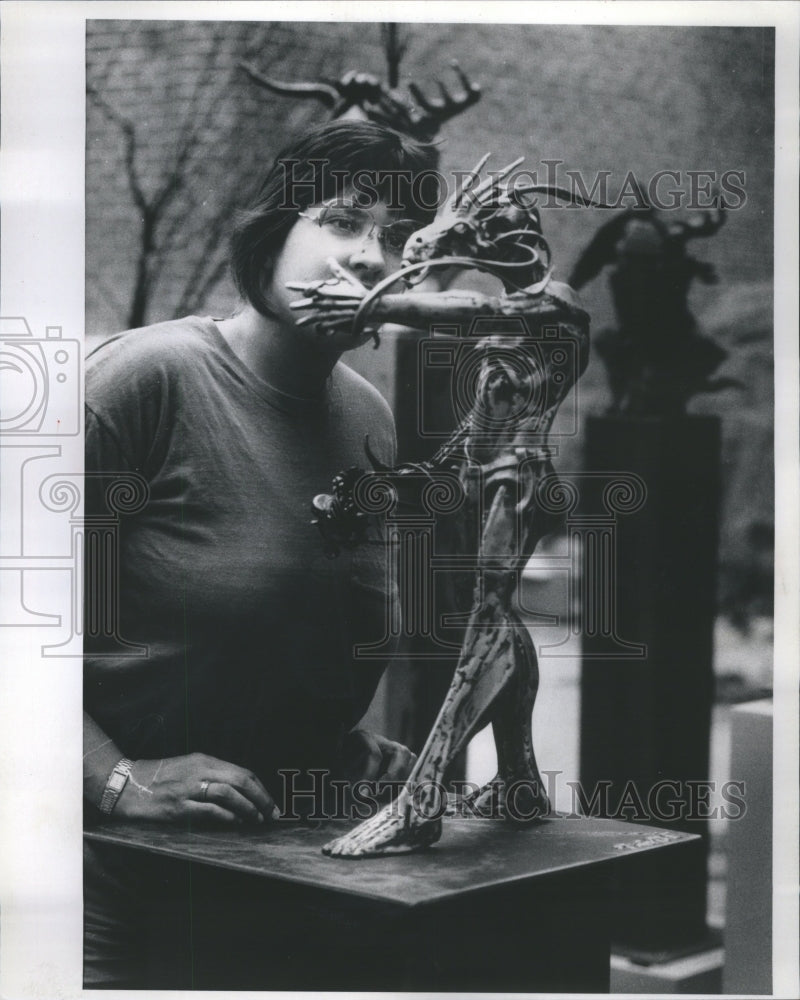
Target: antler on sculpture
[(421, 119), (320, 90), (436, 112), (705, 224)]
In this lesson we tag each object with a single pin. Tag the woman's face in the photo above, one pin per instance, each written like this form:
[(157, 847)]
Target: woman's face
[(366, 241)]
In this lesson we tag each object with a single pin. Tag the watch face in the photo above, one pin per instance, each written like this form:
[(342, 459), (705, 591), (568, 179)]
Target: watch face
[(117, 782)]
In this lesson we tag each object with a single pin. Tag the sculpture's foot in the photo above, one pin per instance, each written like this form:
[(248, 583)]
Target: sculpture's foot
[(519, 801), (393, 830)]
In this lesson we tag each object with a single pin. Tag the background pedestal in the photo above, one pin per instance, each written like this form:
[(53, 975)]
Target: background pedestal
[(491, 907), (648, 720)]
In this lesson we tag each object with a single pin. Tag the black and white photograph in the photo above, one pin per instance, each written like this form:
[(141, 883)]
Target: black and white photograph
[(399, 540)]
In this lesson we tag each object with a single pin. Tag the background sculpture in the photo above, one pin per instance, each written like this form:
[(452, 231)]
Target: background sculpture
[(364, 95), (656, 359)]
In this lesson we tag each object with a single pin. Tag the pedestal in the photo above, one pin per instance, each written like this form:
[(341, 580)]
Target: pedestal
[(490, 907), (647, 720)]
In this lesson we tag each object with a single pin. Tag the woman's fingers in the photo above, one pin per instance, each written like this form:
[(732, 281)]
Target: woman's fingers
[(251, 787), (366, 757), (375, 758), (226, 796), (220, 772), (247, 784), (398, 762), (209, 812)]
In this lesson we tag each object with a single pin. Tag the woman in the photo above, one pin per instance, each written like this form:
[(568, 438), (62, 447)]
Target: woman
[(247, 631)]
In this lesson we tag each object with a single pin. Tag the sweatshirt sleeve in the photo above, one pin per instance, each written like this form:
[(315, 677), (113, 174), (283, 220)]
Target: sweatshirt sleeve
[(128, 395), (104, 458)]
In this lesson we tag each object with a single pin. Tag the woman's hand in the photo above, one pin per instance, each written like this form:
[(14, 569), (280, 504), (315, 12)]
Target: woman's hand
[(195, 787), (369, 757)]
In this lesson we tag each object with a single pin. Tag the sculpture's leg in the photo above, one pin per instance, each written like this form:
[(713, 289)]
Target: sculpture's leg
[(517, 791), (412, 820), (487, 664)]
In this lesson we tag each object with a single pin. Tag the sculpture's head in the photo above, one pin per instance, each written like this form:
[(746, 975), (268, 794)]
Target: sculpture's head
[(492, 223)]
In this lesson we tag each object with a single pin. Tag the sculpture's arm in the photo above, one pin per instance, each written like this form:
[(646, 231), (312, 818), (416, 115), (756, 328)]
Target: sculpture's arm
[(332, 304), (458, 306)]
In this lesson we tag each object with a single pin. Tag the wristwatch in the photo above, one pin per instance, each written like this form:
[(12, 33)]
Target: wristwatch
[(116, 782)]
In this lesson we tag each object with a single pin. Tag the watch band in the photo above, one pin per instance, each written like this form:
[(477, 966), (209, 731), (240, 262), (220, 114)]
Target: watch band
[(116, 782)]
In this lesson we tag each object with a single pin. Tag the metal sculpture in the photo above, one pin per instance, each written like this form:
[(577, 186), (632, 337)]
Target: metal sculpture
[(656, 358), (535, 348), (362, 95)]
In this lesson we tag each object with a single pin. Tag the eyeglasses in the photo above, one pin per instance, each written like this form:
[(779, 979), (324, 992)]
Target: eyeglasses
[(356, 223)]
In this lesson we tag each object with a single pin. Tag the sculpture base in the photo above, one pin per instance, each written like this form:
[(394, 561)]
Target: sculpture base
[(491, 907)]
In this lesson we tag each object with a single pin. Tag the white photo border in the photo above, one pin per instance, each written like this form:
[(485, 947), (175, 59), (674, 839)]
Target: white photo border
[(42, 61)]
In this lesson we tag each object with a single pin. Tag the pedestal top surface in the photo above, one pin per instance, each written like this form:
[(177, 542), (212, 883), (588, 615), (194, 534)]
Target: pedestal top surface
[(472, 854)]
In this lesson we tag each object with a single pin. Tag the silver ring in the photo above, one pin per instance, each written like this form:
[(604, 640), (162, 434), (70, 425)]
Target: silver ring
[(204, 790)]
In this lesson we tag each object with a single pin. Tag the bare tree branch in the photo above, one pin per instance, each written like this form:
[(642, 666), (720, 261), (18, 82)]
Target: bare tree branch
[(129, 132), (154, 209), (198, 290), (395, 48), (198, 286)]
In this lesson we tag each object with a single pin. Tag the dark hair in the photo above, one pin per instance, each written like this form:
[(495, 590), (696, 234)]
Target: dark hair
[(322, 165)]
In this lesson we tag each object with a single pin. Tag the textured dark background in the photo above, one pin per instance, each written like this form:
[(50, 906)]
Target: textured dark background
[(596, 97)]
